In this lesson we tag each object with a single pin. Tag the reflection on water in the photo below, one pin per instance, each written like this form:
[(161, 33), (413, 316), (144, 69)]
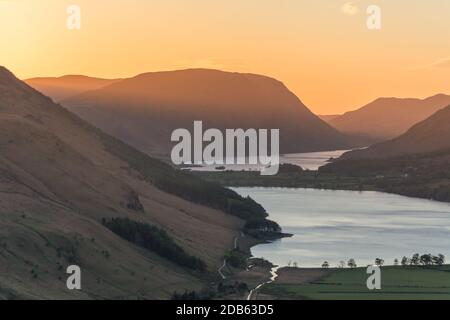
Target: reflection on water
[(339, 225), (309, 161)]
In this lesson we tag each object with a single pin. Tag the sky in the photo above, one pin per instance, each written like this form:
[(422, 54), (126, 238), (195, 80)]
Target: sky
[(321, 49)]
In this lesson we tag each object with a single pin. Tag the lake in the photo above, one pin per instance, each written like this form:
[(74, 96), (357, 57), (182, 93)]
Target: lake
[(339, 225), (308, 161)]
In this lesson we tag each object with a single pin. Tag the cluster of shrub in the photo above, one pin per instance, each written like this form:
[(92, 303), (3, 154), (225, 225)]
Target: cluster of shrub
[(262, 228), (222, 290), (424, 259), (290, 168), (154, 239), (236, 259), (232, 288), (189, 295)]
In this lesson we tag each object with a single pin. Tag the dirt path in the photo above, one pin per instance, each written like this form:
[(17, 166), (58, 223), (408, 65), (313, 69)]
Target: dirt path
[(221, 268), (235, 242)]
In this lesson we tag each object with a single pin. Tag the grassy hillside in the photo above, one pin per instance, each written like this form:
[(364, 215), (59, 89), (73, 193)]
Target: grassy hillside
[(425, 175), (182, 183), (60, 178), (422, 175)]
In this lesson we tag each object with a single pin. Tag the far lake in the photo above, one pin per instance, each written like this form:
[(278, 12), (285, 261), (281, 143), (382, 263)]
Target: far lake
[(308, 161), (339, 225)]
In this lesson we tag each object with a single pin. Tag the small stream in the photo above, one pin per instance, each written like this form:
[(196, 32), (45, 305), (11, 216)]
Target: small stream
[(274, 276)]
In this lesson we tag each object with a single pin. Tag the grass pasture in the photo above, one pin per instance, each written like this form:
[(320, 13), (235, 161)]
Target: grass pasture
[(397, 283)]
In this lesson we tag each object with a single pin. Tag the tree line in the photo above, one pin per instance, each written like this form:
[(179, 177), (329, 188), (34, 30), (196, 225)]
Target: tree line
[(154, 239), (415, 260), (424, 260), (184, 184)]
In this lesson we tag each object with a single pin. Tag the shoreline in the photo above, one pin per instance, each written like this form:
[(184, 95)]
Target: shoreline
[(267, 269), (273, 273), (316, 180)]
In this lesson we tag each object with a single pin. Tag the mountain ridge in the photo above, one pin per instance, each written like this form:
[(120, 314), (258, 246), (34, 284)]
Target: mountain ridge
[(386, 118), (60, 178), (63, 87), (429, 135), (154, 104)]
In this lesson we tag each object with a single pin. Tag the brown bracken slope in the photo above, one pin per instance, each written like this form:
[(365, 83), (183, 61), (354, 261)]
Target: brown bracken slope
[(59, 177)]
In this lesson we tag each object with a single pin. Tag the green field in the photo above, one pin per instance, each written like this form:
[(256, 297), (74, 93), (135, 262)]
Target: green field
[(411, 283)]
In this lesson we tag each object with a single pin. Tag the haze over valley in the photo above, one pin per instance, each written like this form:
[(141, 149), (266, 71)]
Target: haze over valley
[(224, 150)]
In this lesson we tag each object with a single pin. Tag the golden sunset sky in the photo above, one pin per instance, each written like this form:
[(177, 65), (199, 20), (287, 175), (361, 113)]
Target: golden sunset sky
[(321, 49)]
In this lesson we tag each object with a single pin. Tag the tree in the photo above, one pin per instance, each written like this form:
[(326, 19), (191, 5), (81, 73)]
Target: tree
[(405, 261), (325, 265), (154, 239), (441, 259), (415, 259), (395, 262), (295, 265), (426, 259), (341, 264), (351, 263), (379, 262), (236, 259)]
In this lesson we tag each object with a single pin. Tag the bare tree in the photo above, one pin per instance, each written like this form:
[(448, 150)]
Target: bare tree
[(351, 263), (379, 262), (426, 259), (415, 259), (405, 261), (441, 259)]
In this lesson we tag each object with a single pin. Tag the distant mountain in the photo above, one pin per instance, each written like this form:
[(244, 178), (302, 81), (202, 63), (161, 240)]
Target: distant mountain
[(328, 118), (144, 110), (430, 135), (67, 86), (387, 118), (62, 181)]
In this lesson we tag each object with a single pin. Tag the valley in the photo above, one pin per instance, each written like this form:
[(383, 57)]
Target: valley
[(147, 204), (60, 178)]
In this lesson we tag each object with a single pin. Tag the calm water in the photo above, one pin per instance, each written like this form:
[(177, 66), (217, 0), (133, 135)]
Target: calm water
[(309, 161), (338, 225)]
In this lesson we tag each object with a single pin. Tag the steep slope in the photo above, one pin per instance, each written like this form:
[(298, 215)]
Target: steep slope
[(144, 110), (387, 118), (61, 88), (430, 135), (60, 177)]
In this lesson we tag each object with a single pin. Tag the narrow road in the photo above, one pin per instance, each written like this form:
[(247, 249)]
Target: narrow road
[(221, 268), (236, 239)]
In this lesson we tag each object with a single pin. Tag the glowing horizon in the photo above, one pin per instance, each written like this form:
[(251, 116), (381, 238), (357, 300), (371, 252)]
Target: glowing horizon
[(322, 50)]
